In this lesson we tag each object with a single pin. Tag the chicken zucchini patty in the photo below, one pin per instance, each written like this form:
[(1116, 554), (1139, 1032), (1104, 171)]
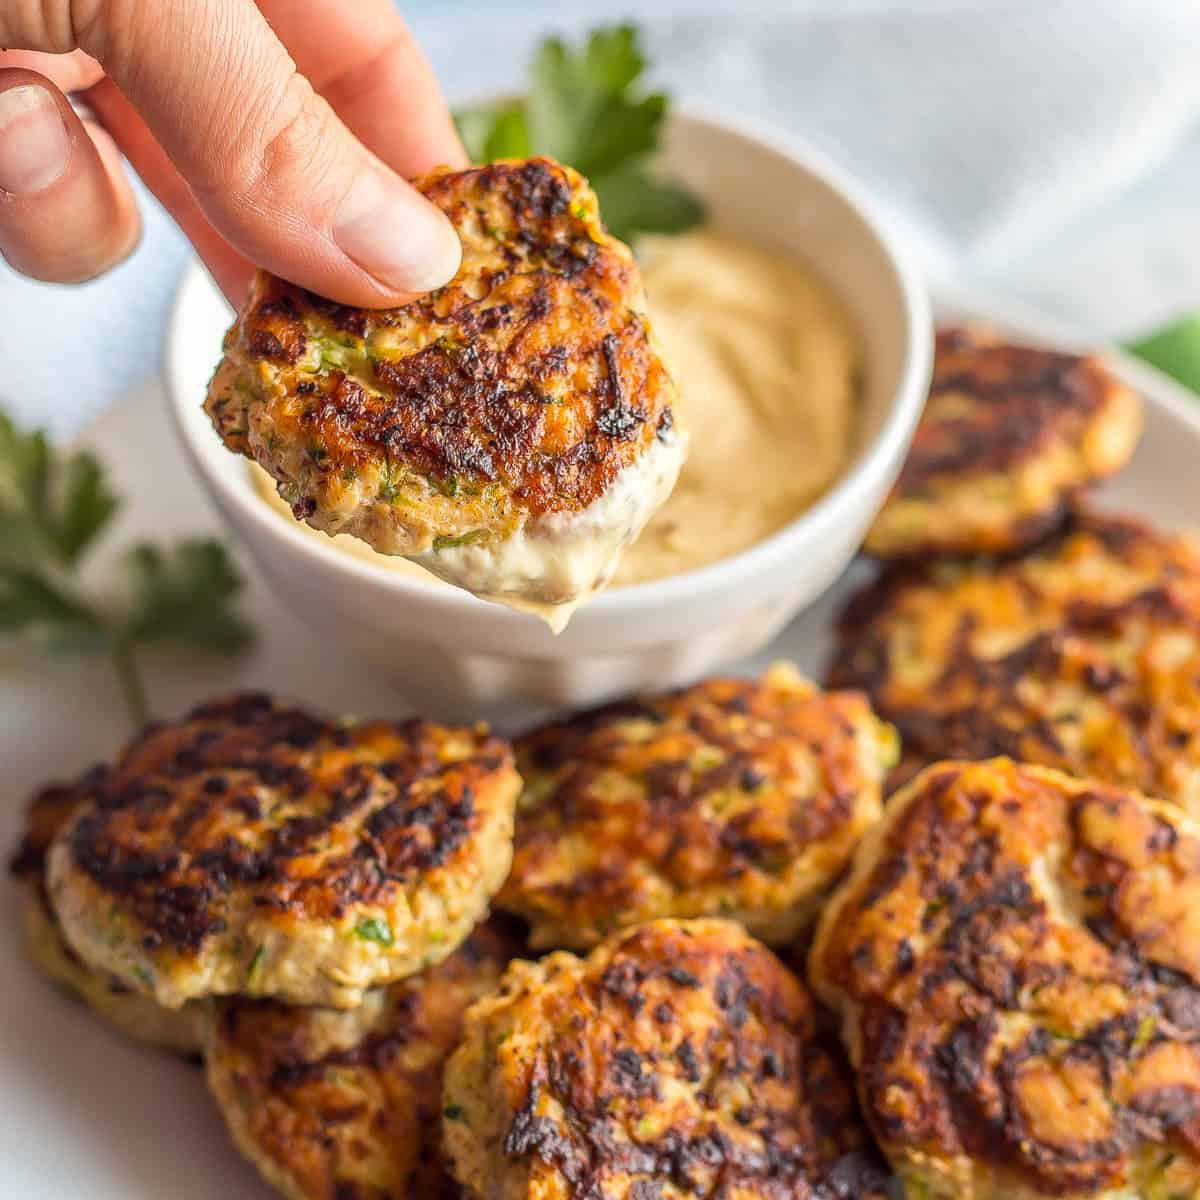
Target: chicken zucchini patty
[(254, 848), (734, 797), (677, 1060), (512, 431), (1084, 655), (1010, 434), (179, 1030), (1015, 962), (347, 1105)]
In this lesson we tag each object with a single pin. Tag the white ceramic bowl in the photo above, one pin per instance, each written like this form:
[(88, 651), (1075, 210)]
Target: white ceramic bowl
[(456, 655)]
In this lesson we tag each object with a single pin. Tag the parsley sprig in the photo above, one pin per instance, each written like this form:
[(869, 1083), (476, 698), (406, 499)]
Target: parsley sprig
[(586, 106), (53, 508)]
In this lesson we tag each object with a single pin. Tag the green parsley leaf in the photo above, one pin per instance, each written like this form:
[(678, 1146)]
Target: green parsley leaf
[(633, 202), (53, 508), (1174, 350), (584, 107), (492, 133), (374, 929), (34, 607), (181, 596)]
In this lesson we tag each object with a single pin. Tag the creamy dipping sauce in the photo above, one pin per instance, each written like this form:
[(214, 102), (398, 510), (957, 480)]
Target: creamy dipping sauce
[(767, 364)]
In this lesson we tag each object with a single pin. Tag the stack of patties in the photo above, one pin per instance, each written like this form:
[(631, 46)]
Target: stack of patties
[(680, 1058), (316, 887), (1014, 958), (1078, 650)]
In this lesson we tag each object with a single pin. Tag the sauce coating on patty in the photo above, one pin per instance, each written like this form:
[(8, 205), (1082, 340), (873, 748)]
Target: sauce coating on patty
[(516, 401)]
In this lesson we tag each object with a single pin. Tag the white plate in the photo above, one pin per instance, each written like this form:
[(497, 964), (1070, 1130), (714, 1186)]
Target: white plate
[(85, 1113)]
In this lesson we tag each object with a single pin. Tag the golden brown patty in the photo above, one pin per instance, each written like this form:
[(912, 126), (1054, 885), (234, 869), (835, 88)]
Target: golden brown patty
[(182, 1030), (497, 411), (677, 1060), (347, 1105), (1016, 964), (1009, 435), (734, 797), (1084, 655), (257, 849)]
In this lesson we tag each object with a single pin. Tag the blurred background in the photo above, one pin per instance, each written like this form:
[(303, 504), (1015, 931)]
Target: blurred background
[(1040, 150)]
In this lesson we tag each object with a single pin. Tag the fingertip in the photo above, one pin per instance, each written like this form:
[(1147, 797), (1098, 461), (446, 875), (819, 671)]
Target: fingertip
[(35, 141), (388, 229), (67, 212)]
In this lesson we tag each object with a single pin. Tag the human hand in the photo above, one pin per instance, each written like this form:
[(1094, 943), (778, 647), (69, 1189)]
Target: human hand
[(276, 133)]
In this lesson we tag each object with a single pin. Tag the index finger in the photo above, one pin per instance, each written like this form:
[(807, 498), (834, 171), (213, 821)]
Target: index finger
[(274, 169), (363, 59)]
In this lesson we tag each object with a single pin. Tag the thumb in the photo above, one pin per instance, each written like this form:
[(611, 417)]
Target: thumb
[(269, 162)]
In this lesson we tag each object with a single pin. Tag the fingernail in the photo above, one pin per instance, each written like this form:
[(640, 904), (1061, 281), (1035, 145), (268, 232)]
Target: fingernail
[(396, 235), (34, 145)]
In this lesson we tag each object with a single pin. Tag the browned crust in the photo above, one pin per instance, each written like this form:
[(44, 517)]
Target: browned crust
[(309, 816), (536, 373), (1147, 731), (326, 1117), (1048, 1036), (47, 812), (702, 1007), (995, 406), (1022, 398), (722, 785)]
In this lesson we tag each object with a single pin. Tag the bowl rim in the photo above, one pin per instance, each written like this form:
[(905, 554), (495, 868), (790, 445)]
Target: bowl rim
[(848, 492)]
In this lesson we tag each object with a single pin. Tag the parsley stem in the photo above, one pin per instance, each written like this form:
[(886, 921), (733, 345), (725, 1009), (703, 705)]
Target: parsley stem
[(130, 679)]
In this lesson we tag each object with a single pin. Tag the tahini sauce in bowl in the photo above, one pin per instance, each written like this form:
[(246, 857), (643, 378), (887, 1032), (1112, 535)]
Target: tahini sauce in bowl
[(767, 364)]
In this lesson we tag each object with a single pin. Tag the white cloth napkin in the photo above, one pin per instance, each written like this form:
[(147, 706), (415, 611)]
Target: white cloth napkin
[(1047, 148)]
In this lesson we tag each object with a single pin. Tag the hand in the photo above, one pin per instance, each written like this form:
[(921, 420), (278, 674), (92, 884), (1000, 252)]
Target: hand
[(276, 134)]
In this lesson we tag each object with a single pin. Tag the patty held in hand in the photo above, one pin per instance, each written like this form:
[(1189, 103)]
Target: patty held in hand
[(1015, 961), (348, 1104), (1083, 655), (734, 797), (511, 431), (1010, 434), (678, 1060), (137, 1016), (254, 848)]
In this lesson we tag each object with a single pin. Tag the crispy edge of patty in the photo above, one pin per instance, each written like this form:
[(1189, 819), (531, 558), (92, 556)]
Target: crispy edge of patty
[(866, 901), (178, 1031), (534, 1115), (325, 1107), (1068, 422), (186, 912), (784, 755), (181, 1031)]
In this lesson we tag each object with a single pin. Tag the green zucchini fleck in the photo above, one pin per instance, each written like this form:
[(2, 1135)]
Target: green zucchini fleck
[(463, 539), (255, 969), (374, 929)]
